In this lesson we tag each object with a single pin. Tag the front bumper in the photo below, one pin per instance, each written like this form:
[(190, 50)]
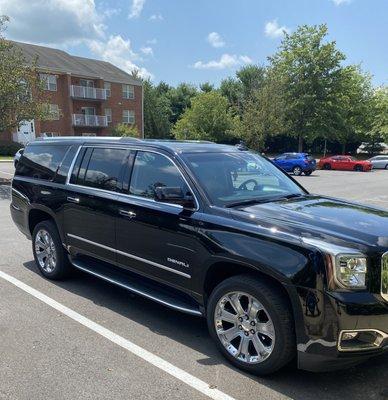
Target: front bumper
[(327, 315)]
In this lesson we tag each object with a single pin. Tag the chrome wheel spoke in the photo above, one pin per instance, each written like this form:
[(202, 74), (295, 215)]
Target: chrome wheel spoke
[(253, 308), (45, 251), (234, 300), (228, 317), (243, 347), (258, 345), (231, 333), (266, 328), (41, 255)]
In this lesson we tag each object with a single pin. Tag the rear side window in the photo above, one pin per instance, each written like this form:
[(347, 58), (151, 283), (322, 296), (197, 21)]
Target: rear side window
[(152, 170), (41, 161), (102, 168)]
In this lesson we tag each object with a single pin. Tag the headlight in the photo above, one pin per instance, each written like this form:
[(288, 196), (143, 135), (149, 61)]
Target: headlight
[(351, 270), (346, 267)]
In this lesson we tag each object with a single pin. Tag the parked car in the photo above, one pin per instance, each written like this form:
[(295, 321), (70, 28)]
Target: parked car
[(379, 162), (297, 163), (216, 232), (17, 157), (344, 163)]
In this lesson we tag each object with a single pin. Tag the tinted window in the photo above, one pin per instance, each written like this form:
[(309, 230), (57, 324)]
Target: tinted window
[(103, 168), (152, 170), (41, 161), (234, 177)]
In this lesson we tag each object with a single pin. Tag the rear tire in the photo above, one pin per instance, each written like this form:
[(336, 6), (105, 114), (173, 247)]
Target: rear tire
[(297, 171), (49, 254), (308, 173), (386, 167), (326, 166), (358, 168), (267, 325)]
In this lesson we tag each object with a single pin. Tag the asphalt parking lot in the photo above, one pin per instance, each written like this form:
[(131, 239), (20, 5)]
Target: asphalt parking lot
[(146, 351)]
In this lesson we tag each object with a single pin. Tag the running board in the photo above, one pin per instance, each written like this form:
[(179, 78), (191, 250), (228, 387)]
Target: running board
[(141, 286)]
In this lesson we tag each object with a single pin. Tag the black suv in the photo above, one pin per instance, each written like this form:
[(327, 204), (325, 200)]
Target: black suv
[(211, 230)]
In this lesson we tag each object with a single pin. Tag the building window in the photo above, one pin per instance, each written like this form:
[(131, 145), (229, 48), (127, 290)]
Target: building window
[(128, 92), (108, 114), (128, 117), (53, 111), (49, 82), (86, 83), (108, 89)]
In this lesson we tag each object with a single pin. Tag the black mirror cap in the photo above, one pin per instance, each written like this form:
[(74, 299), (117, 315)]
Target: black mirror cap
[(174, 195)]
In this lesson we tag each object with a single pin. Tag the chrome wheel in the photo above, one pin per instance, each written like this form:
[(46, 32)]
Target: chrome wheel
[(297, 171), (244, 327), (45, 251)]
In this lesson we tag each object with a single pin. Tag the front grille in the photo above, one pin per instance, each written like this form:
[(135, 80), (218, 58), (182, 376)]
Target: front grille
[(384, 276)]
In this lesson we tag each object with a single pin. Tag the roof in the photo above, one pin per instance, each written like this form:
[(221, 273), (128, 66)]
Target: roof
[(175, 146), (59, 61)]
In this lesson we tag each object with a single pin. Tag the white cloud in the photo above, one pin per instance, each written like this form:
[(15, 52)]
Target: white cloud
[(215, 39), (53, 21), (118, 51), (156, 17), (147, 50), (111, 12), (136, 8), (339, 2), (226, 61), (273, 30)]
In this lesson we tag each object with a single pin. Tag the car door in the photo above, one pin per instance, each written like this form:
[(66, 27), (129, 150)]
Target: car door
[(281, 162), (91, 201), (156, 239)]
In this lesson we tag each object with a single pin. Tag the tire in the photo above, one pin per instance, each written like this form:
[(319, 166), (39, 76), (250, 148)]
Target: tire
[(275, 307), (386, 167), (308, 173), (297, 171), (326, 166), (49, 254), (358, 168)]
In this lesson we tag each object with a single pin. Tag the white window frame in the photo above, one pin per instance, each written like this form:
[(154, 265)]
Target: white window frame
[(50, 82), (128, 91), (108, 89), (86, 83), (108, 114), (88, 108), (129, 117)]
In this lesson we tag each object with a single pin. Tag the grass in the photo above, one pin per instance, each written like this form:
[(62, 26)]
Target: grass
[(6, 158)]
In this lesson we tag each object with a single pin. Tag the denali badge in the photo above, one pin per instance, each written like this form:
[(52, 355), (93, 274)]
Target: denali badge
[(177, 262)]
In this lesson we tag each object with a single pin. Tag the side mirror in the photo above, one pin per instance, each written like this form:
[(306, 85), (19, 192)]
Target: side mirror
[(174, 195)]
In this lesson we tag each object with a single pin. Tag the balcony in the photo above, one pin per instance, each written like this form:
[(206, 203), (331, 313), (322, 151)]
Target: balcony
[(97, 121), (90, 93)]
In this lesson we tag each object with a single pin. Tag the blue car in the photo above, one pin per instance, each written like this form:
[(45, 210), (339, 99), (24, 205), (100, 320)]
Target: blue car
[(297, 163)]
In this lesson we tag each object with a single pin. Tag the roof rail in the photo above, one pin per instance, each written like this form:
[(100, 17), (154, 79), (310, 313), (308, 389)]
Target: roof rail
[(40, 138)]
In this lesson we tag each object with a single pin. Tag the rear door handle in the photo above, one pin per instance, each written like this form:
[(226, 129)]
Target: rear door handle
[(73, 199), (128, 214)]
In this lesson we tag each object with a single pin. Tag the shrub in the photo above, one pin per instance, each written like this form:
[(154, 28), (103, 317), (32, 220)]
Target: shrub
[(9, 148)]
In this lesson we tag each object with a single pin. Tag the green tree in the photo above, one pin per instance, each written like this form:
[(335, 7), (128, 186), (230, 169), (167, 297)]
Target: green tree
[(309, 69), (125, 130), (251, 78), (263, 114), (180, 99), (157, 111), (21, 92), (206, 87), (209, 118), (353, 106), (232, 89), (379, 128)]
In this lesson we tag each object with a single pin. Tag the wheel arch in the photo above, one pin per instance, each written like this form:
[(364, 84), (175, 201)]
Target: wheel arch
[(38, 214)]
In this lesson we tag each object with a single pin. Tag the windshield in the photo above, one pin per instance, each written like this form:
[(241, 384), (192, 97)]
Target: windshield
[(231, 179)]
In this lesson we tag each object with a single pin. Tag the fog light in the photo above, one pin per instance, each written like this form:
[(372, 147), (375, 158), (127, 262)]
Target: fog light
[(363, 339)]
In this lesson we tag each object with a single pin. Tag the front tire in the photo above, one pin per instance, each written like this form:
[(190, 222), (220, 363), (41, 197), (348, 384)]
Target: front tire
[(326, 166), (252, 324), (49, 254)]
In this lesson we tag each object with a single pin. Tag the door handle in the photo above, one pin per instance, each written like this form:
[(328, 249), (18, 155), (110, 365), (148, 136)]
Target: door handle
[(128, 214), (73, 199)]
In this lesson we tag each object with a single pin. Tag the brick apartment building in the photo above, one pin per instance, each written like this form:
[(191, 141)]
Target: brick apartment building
[(85, 96)]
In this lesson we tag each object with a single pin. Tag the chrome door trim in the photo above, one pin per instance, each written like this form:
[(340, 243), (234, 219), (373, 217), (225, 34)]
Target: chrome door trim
[(125, 194), (130, 256), (384, 275)]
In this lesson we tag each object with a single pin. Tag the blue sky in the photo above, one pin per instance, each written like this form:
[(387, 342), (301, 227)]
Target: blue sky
[(198, 40)]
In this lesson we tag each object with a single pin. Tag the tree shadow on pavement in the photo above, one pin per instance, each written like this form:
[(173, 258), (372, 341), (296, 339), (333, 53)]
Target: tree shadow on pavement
[(368, 380)]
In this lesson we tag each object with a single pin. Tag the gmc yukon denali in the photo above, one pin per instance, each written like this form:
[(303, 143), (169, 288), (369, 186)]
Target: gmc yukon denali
[(210, 230)]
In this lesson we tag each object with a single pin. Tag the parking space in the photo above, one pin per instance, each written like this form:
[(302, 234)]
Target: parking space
[(46, 353), (6, 171)]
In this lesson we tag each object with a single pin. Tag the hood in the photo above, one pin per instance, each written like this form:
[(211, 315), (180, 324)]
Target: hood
[(323, 218)]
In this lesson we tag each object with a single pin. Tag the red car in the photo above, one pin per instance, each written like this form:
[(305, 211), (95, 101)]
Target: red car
[(344, 163)]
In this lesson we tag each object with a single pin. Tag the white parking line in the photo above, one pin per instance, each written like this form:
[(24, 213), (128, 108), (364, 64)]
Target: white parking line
[(7, 173), (158, 362)]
